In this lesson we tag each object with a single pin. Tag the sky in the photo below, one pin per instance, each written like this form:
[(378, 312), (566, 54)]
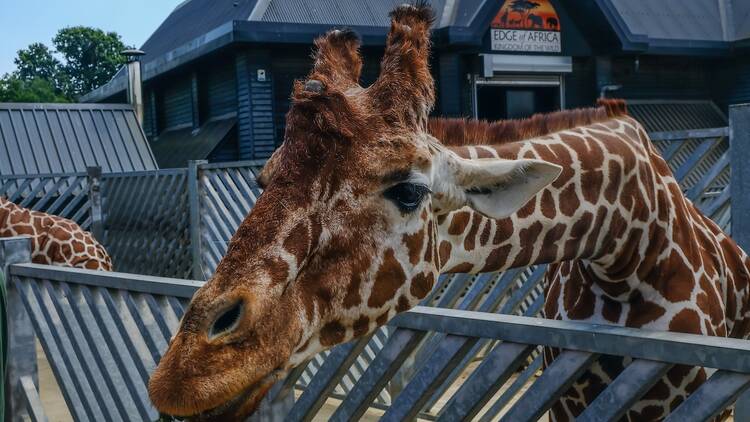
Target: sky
[(23, 22)]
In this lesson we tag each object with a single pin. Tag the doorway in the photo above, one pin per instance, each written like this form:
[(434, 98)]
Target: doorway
[(516, 99)]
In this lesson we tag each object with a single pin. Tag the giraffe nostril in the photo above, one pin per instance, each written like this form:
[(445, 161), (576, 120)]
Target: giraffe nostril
[(226, 322)]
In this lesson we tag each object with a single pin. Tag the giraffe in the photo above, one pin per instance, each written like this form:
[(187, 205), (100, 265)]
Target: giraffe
[(54, 240), (625, 246), (363, 207)]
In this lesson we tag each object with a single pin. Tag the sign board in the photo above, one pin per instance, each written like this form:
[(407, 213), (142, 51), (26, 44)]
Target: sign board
[(526, 26)]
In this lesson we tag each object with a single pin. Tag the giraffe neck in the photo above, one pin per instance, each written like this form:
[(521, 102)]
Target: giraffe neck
[(609, 207)]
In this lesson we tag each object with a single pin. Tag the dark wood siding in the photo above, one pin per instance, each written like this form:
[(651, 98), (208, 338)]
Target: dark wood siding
[(732, 78), (286, 68), (255, 108), (227, 150), (175, 100), (660, 77), (448, 83), (218, 87), (261, 102), (149, 112), (580, 85)]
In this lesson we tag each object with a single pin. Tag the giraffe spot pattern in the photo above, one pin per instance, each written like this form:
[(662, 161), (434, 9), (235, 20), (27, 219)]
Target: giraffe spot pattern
[(388, 280)]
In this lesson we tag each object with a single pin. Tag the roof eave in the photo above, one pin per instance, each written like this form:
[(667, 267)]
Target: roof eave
[(209, 42)]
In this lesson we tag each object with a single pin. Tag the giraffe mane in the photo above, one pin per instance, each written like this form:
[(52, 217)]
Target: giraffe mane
[(462, 131)]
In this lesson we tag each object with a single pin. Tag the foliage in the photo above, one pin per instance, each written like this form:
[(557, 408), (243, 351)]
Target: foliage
[(91, 57), (83, 60), (37, 62), (36, 90)]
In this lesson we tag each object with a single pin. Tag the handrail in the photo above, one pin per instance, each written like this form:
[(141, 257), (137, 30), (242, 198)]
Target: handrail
[(680, 135), (679, 348), (114, 280)]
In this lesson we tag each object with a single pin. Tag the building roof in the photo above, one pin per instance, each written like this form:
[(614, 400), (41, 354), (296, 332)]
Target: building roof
[(192, 19), (175, 148), (671, 25), (741, 14), (62, 138), (198, 27), (675, 115)]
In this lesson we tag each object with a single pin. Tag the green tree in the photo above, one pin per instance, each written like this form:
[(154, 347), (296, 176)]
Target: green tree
[(37, 90), (37, 61), (91, 57)]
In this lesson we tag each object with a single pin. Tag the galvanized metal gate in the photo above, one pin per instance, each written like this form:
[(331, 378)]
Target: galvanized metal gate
[(104, 332)]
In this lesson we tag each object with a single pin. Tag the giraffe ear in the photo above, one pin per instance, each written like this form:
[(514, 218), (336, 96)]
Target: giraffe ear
[(494, 187)]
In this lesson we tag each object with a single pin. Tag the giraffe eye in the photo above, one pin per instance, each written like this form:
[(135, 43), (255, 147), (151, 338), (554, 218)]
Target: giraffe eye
[(407, 196)]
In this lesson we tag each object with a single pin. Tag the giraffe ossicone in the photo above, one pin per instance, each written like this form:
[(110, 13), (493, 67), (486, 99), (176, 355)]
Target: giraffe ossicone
[(367, 201)]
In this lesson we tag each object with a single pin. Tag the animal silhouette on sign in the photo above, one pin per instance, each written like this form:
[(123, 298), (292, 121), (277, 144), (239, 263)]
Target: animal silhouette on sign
[(535, 20), (504, 18), (552, 23)]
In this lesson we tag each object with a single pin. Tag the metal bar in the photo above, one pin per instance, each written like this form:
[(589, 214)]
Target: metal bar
[(495, 369), (66, 353), (233, 164), (103, 355), (21, 341), (86, 356), (681, 135), (195, 218), (715, 395), (679, 348), (121, 281), (128, 365), (50, 346), (671, 150), (512, 305), (95, 199), (548, 388), (325, 380), (624, 391), (33, 402), (437, 368), (739, 144), (514, 388), (722, 163), (400, 345), (695, 158)]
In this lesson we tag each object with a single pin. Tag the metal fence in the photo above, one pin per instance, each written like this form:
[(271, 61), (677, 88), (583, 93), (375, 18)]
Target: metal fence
[(66, 195), (145, 222), (104, 332)]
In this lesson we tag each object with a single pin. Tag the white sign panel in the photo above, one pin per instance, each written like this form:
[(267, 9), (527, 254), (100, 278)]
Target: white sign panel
[(525, 41)]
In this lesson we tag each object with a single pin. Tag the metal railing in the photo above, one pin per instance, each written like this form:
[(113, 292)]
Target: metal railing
[(104, 332)]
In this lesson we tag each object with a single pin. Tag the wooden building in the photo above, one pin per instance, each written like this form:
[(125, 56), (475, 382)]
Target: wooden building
[(217, 74)]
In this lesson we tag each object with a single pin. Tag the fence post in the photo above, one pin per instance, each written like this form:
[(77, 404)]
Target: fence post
[(739, 144), (95, 199), (21, 340), (193, 181)]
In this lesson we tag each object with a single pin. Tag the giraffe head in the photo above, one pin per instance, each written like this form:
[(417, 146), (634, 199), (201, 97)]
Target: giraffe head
[(343, 236)]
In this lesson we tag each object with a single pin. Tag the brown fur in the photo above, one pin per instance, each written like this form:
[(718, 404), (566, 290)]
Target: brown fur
[(460, 132), (294, 264)]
